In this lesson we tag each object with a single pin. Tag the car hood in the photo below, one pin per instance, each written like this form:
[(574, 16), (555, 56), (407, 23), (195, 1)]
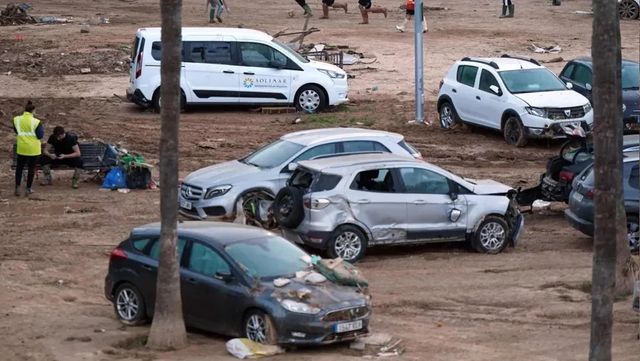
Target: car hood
[(219, 174), (327, 295), (631, 100), (554, 99), (326, 66), (488, 186)]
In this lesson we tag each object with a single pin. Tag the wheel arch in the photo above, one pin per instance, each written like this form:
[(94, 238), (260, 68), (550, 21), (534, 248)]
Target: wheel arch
[(361, 227), (251, 190), (442, 99), (505, 115), (324, 91), (183, 96)]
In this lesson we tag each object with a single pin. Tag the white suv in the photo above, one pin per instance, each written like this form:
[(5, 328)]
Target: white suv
[(517, 96)]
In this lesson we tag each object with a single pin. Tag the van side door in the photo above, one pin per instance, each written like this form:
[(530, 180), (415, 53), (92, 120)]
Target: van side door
[(211, 71), (266, 74)]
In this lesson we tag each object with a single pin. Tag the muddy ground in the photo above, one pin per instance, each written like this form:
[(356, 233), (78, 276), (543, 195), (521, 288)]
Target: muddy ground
[(529, 303)]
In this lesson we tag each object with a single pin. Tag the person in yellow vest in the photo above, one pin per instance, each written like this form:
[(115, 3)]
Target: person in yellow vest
[(29, 131)]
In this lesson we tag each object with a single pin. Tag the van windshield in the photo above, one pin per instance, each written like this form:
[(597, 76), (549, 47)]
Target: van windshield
[(290, 51)]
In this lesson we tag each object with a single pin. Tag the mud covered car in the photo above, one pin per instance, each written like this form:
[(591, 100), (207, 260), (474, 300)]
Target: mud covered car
[(228, 286), (345, 205)]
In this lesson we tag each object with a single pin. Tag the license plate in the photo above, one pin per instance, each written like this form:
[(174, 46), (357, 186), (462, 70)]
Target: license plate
[(578, 197), (186, 205), (349, 326)]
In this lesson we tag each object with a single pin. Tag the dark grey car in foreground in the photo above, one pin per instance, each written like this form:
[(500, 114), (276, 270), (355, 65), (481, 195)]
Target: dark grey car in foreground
[(227, 273), (581, 206)]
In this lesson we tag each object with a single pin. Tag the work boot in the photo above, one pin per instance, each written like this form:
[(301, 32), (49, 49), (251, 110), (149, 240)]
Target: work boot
[(46, 172), (511, 8), (76, 177), (28, 192), (17, 193), (504, 12)]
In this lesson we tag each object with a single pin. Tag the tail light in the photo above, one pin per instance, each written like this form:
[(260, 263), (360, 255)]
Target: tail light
[(441, 84), (590, 193), (566, 176), (139, 65), (319, 203), (118, 253)]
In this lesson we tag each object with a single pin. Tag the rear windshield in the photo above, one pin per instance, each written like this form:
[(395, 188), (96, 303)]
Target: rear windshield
[(408, 147), (313, 181)]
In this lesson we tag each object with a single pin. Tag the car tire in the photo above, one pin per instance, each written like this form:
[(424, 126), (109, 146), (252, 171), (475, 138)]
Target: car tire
[(514, 133), (310, 99), (156, 102), (633, 232), (259, 327), (492, 236), (628, 9), (288, 208), (448, 115), (129, 305), (347, 242)]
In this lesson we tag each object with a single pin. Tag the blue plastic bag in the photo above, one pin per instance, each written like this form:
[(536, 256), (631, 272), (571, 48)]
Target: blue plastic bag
[(115, 179)]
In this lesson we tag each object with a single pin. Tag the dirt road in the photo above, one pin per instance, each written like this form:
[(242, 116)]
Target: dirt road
[(448, 303)]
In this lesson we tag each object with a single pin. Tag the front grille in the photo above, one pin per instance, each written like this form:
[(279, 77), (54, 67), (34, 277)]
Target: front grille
[(348, 314), (216, 211), (565, 113), (190, 192)]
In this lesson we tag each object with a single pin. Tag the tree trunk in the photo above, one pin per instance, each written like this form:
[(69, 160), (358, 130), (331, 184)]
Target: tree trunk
[(611, 250), (168, 329)]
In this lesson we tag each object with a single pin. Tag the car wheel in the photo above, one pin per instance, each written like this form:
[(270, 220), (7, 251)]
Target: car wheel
[(633, 233), (156, 102), (129, 305), (492, 235), (310, 99), (259, 327), (348, 243), (448, 115), (628, 9), (514, 132), (288, 208)]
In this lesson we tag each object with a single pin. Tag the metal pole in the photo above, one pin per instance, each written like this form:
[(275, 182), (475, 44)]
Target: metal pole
[(419, 11)]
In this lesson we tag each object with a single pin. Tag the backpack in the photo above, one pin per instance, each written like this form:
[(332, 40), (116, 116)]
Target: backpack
[(138, 177)]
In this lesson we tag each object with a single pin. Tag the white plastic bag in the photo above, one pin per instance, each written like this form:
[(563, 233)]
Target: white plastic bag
[(243, 348)]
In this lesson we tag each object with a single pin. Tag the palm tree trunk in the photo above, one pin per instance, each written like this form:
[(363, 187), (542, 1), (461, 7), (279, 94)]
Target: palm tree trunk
[(168, 329)]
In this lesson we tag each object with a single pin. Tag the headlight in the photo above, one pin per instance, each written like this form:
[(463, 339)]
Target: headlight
[(217, 191), (587, 108), (332, 74), (299, 307), (538, 112), (624, 108)]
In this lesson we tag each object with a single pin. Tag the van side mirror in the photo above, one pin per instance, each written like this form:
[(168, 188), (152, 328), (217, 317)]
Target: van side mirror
[(588, 86), (495, 89), (225, 276), (569, 85), (292, 167)]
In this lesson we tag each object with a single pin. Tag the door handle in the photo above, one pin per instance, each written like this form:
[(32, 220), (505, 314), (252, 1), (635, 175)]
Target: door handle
[(249, 73), (420, 201), (453, 90), (192, 280), (478, 97), (229, 72), (147, 267), (363, 201)]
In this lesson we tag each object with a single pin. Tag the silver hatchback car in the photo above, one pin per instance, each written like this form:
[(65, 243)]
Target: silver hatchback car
[(346, 204), (214, 191)]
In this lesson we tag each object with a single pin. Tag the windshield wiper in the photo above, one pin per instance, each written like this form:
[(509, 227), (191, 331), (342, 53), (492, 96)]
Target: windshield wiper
[(245, 161)]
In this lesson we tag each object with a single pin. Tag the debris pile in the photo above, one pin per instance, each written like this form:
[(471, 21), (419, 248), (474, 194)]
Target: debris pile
[(16, 15), (38, 63), (378, 344)]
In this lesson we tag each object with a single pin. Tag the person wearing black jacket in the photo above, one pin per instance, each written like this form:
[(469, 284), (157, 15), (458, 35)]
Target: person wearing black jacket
[(66, 151)]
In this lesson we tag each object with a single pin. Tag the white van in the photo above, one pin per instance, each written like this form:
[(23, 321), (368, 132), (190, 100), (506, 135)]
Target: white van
[(235, 66)]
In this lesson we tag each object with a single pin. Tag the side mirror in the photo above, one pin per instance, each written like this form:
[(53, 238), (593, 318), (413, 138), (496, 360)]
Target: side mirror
[(292, 167), (588, 86), (569, 85), (453, 190), (225, 276), (453, 196), (495, 89)]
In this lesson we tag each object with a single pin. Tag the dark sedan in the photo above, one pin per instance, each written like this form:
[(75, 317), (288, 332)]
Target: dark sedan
[(581, 206), (579, 73), (227, 282)]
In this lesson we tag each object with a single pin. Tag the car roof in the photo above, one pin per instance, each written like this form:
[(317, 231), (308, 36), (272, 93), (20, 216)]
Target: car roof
[(586, 60), (505, 64), (216, 233), (317, 136), (240, 34), (340, 164)]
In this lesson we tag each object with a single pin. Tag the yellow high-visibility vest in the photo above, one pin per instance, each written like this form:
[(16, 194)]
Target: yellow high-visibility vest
[(27, 141)]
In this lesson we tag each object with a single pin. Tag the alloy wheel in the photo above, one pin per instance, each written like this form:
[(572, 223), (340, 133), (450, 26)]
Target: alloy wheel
[(446, 116), (628, 10), (256, 328), (309, 100), (492, 236), (128, 304), (513, 133), (348, 246)]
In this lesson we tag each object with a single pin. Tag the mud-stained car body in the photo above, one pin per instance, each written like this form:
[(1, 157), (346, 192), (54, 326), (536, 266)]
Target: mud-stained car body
[(346, 204)]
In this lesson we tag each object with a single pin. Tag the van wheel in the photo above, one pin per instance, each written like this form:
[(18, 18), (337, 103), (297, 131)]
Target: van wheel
[(492, 235), (514, 132), (157, 101), (348, 243), (310, 99)]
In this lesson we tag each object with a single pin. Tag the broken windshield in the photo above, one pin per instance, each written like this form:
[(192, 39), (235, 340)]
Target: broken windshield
[(268, 257)]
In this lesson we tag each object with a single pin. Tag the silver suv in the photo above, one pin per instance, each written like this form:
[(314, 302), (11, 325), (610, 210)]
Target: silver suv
[(346, 204), (214, 191)]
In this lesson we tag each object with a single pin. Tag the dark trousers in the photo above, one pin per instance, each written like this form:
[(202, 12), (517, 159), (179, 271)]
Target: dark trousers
[(30, 162), (70, 162), (301, 2), (507, 2)]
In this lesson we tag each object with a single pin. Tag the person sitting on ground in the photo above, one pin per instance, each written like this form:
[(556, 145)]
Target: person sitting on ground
[(410, 12), (331, 3), (66, 151), (367, 7), (29, 131)]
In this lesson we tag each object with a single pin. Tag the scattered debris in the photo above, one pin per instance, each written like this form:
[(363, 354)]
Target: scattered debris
[(85, 70), (84, 29), (54, 20), (303, 294), (314, 278), (81, 338), (244, 348), (547, 49), (378, 344), (281, 282), (16, 15), (69, 210), (277, 110), (553, 60), (297, 121), (580, 12), (124, 190), (340, 272), (540, 204)]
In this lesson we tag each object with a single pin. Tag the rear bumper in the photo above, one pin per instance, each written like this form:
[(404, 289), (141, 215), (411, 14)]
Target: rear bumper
[(136, 96), (578, 223)]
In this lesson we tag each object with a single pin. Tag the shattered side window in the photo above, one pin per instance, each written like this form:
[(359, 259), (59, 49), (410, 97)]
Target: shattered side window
[(325, 182), (374, 180)]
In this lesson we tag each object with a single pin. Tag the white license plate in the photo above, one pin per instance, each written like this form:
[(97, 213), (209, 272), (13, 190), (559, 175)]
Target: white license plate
[(185, 204), (349, 326), (578, 197)]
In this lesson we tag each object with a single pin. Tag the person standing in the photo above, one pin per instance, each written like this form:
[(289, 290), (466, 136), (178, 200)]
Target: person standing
[(307, 9), (65, 151), (367, 7), (216, 7), (29, 131), (331, 3), (507, 9), (410, 12)]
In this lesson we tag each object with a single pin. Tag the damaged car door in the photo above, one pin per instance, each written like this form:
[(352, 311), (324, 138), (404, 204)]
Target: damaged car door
[(435, 211), (373, 199)]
